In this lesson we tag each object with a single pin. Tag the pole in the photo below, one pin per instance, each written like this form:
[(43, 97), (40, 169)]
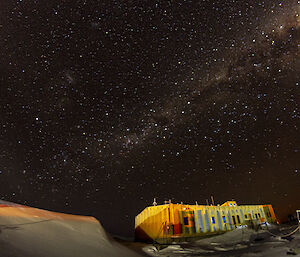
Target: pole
[(212, 200)]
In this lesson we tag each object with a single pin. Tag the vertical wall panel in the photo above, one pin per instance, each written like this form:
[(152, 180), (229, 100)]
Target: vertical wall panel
[(207, 221), (242, 216), (199, 221), (220, 226), (229, 220)]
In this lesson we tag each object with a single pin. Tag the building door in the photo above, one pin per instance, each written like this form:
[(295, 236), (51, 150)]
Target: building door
[(238, 219), (233, 220)]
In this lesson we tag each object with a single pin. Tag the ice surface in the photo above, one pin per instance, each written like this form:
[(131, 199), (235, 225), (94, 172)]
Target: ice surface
[(31, 232)]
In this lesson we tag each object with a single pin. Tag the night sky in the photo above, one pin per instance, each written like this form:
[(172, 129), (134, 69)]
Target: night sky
[(107, 104)]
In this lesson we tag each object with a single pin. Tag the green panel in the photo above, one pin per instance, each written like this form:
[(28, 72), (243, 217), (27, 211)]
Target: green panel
[(187, 221)]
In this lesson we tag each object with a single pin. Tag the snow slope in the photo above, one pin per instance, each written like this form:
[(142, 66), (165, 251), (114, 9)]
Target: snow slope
[(31, 232)]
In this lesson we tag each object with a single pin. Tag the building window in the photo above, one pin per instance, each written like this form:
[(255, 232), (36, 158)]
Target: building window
[(224, 219), (246, 217), (256, 216), (213, 220), (259, 215), (185, 220), (238, 219), (230, 204), (234, 205)]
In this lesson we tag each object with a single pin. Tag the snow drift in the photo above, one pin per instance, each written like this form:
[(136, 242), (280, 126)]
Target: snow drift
[(31, 232)]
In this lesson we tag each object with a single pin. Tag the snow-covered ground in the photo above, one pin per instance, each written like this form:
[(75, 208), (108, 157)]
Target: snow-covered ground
[(240, 242), (31, 232)]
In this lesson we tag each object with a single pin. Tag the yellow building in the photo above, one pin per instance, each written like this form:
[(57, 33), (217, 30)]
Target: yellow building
[(175, 222)]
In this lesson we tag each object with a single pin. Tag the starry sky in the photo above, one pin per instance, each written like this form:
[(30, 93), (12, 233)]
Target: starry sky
[(107, 104)]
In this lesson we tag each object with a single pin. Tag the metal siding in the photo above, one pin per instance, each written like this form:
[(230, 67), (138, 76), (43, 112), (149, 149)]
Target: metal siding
[(219, 221), (207, 221), (199, 221), (242, 216), (229, 220)]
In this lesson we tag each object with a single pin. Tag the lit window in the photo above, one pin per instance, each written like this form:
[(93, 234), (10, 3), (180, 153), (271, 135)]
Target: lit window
[(234, 205), (224, 219), (230, 204), (213, 220)]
